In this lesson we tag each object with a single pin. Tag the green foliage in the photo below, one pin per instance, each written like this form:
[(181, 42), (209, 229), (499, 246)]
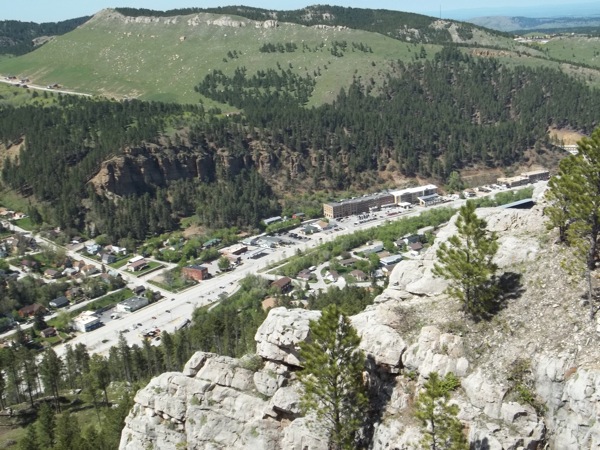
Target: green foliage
[(466, 261), (332, 378), (574, 209), (349, 300), (439, 424)]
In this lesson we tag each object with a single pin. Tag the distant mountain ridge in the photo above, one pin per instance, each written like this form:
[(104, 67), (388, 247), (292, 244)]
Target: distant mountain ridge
[(519, 23)]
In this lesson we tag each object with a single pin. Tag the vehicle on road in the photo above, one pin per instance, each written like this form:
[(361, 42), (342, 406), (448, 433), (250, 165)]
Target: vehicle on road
[(167, 310), (153, 318)]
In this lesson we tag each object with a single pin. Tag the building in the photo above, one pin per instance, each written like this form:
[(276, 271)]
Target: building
[(306, 275), (132, 304), (283, 285), (271, 220), (32, 310), (137, 265), (411, 195), (236, 249), (390, 260), (537, 175), (256, 254), (211, 243), (48, 332), (357, 205), (52, 274), (108, 258), (195, 272), (512, 182), (374, 247), (268, 242), (359, 275), (429, 200), (59, 302), (86, 321)]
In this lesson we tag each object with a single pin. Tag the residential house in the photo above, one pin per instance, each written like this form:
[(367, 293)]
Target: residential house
[(92, 248), (59, 302), (348, 262), (74, 293), (332, 275), (138, 290), (137, 266), (283, 285), (52, 274), (306, 275), (115, 250), (70, 271), (359, 275), (195, 272), (48, 332), (415, 248), (31, 310), (29, 265), (390, 260), (108, 258), (89, 269)]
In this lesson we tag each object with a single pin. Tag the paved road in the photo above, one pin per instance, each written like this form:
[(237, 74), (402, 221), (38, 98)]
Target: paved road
[(167, 313)]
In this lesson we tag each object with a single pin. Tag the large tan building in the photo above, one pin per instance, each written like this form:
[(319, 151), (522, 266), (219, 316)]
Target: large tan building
[(525, 178), (357, 205)]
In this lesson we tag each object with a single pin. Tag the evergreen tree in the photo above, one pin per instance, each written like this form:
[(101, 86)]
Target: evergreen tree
[(332, 378), (441, 429), (45, 425), (51, 368), (574, 209), (100, 375), (67, 432), (29, 441), (466, 260)]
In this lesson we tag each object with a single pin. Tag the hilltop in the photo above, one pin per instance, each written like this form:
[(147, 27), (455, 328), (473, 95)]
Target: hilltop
[(161, 57)]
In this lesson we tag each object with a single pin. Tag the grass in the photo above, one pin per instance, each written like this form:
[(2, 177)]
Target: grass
[(120, 263), (25, 223), (152, 266)]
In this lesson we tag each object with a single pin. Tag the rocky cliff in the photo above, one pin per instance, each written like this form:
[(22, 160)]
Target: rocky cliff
[(530, 376)]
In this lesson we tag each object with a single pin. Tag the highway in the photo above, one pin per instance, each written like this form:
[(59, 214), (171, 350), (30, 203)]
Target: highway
[(170, 311)]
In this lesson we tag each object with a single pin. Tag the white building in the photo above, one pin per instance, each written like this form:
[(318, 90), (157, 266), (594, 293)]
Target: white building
[(411, 195), (132, 304), (86, 321)]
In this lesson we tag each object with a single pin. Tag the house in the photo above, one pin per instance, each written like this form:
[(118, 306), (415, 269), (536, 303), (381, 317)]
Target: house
[(299, 215), (283, 285), (31, 310), (368, 249), (29, 265), (108, 258), (70, 271), (415, 248), (48, 332), (306, 275), (332, 275), (115, 250), (390, 260), (359, 275), (92, 248), (195, 272), (348, 262), (59, 302), (79, 264), (52, 274), (138, 290), (137, 265), (74, 292), (89, 269)]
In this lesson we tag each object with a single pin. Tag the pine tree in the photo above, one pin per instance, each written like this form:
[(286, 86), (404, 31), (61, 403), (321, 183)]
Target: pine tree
[(332, 378), (574, 197), (68, 434), (466, 260), (45, 424), (441, 429), (29, 441)]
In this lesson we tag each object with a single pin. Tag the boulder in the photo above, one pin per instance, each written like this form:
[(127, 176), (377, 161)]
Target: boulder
[(278, 337)]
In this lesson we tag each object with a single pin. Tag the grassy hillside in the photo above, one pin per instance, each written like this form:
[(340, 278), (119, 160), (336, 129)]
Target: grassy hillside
[(162, 59)]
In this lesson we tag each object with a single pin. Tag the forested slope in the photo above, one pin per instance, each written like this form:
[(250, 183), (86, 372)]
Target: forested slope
[(169, 161)]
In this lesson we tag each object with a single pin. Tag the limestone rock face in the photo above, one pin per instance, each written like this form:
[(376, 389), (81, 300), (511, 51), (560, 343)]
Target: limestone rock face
[(278, 337), (411, 330)]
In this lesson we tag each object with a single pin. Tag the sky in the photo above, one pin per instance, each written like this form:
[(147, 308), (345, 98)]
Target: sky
[(56, 10)]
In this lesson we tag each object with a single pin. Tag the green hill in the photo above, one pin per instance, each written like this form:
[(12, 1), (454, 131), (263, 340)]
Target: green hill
[(162, 58)]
